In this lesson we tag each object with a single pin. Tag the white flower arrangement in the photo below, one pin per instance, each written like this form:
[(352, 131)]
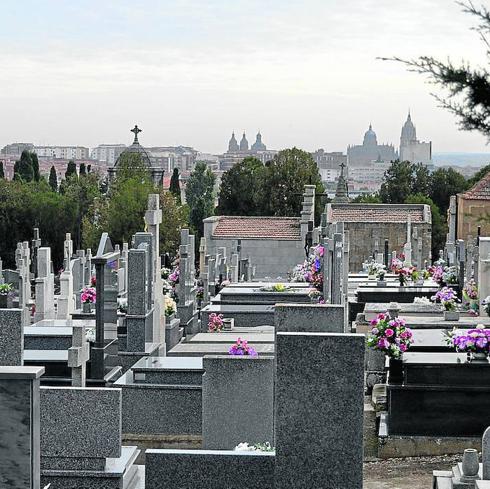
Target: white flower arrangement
[(170, 305), (422, 300), (258, 447), (90, 335)]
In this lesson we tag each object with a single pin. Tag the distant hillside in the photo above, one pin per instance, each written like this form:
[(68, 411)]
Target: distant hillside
[(461, 159)]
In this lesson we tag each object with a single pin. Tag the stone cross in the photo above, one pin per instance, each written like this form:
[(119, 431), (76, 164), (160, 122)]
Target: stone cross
[(407, 249), (1, 272), (78, 355), (35, 244), (153, 219), (202, 254)]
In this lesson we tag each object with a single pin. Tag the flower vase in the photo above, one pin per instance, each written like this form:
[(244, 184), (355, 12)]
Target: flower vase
[(4, 300), (86, 307), (381, 283), (402, 280), (371, 277), (451, 315), (470, 465), (396, 371), (479, 357)]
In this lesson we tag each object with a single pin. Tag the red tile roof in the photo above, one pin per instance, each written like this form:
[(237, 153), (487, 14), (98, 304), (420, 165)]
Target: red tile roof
[(278, 228), (376, 213), (479, 191)]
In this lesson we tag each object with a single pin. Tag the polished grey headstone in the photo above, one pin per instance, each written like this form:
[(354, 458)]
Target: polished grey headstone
[(237, 401), (11, 337), (209, 469), (19, 427), (319, 400), (80, 422), (321, 318)]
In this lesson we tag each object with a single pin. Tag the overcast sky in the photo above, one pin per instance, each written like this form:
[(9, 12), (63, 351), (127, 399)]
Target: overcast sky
[(188, 72)]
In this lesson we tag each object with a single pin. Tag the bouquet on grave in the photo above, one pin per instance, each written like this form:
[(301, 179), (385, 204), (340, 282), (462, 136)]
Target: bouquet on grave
[(390, 336), (165, 273), (88, 295), (450, 276), (403, 272), (470, 290), (174, 277), (475, 340), (258, 447), (215, 323), (6, 289), (200, 293), (486, 305), (447, 297), (170, 306), (436, 272), (241, 348), (374, 268)]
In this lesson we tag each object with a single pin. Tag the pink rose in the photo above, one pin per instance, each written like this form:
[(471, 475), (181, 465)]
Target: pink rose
[(389, 332)]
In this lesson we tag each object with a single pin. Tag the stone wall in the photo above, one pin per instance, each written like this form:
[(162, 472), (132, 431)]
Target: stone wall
[(469, 214), (363, 236), (270, 257)]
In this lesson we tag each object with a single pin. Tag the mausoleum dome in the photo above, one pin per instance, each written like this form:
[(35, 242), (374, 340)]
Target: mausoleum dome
[(136, 148)]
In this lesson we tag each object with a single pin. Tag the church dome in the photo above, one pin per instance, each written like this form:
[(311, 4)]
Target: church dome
[(258, 145), (233, 144), (244, 143), (408, 130), (136, 148), (370, 137)]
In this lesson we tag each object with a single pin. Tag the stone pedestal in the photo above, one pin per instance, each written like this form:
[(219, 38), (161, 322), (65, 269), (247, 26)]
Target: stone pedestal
[(19, 427)]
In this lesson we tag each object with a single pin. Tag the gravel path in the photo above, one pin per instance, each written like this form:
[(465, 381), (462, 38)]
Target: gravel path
[(406, 473)]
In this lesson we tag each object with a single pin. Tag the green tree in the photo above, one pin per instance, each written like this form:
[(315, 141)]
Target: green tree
[(240, 189), (200, 197), (439, 226), (175, 185), (2, 174), (283, 182), (174, 218), (71, 170), (83, 169), (23, 168), (89, 168), (121, 211), (35, 166), (367, 199), (478, 175), (467, 88), (445, 182), (53, 179), (403, 179)]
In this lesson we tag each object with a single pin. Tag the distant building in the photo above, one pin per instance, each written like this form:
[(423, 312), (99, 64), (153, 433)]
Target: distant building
[(15, 149), (237, 152), (369, 151), (473, 210), (411, 149), (329, 164), (62, 152), (107, 153)]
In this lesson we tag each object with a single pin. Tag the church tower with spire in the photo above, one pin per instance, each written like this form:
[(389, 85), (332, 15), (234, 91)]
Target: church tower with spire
[(244, 143), (233, 144), (411, 149)]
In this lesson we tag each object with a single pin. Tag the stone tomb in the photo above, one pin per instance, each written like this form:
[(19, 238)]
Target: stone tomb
[(81, 440), (11, 337), (442, 395), (247, 316)]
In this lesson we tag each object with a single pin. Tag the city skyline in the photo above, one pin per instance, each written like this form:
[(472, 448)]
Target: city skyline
[(305, 73)]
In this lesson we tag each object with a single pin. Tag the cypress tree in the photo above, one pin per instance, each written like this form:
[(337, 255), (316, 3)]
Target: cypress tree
[(2, 174), (53, 179), (175, 185), (23, 168), (83, 170), (71, 169), (89, 168), (35, 166)]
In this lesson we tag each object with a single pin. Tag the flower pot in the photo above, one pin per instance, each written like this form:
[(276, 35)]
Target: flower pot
[(86, 307), (228, 324), (451, 315), (396, 371), (479, 357), (371, 277), (470, 465), (4, 300)]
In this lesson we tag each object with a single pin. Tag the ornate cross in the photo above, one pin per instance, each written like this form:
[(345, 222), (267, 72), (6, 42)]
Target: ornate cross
[(136, 130)]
